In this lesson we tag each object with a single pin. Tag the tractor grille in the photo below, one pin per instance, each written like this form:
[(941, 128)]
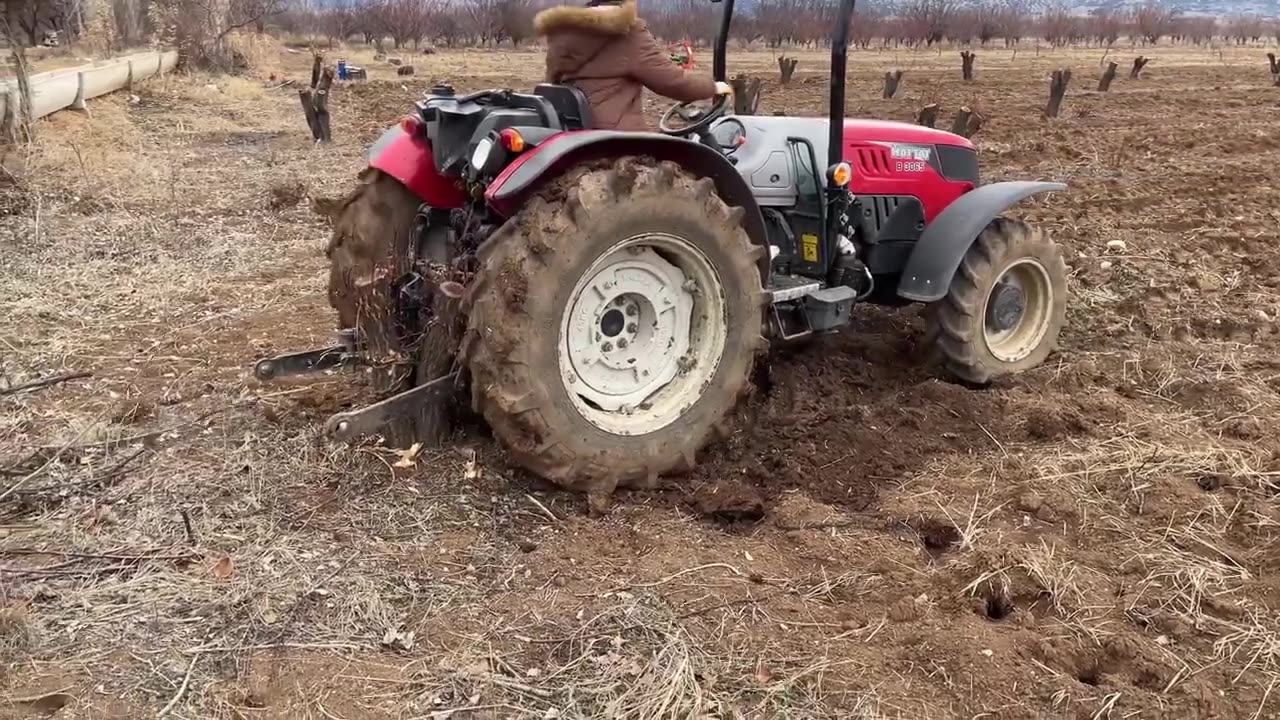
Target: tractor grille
[(873, 162), (876, 210)]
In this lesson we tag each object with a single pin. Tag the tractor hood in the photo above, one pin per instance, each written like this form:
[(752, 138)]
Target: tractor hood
[(889, 131)]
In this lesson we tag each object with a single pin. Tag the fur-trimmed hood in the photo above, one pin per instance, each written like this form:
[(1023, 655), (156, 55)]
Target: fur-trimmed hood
[(599, 20)]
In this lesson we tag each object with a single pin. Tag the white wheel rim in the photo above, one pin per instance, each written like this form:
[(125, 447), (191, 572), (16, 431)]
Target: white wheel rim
[(642, 334), (1015, 343)]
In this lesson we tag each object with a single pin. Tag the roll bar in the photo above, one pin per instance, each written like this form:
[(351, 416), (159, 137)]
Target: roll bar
[(839, 61)]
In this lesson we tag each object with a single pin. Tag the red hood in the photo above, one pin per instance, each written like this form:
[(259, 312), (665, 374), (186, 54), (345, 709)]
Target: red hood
[(889, 131)]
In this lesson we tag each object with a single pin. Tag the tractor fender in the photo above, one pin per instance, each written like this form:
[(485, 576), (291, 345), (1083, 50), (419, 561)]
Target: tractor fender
[(558, 154), (943, 244), (407, 158)]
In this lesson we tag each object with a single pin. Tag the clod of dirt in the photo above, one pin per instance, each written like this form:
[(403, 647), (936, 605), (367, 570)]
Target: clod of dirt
[(128, 412), (1209, 483), (1053, 424), (905, 609), (287, 194), (1091, 676), (1029, 502), (728, 502), (936, 536), (526, 546), (1245, 429)]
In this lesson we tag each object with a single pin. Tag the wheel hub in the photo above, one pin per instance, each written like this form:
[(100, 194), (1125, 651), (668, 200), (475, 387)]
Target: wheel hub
[(634, 341), (1018, 309), (1008, 302)]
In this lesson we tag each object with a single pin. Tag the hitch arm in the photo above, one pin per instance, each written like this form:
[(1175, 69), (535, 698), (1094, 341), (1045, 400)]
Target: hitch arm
[(303, 363), (346, 425)]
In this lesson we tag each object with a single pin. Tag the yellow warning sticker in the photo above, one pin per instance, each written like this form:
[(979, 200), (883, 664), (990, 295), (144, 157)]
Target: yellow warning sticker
[(809, 248)]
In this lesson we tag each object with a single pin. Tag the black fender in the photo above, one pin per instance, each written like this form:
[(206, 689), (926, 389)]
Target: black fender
[(558, 154), (943, 244)]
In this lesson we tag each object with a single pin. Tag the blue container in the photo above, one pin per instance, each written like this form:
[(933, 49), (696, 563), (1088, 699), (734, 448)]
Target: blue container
[(342, 69)]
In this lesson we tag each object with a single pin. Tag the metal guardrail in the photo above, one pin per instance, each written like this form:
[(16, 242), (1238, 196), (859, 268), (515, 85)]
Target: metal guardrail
[(70, 87)]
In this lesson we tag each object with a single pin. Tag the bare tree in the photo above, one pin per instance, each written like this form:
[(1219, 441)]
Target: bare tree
[(1153, 21), (1059, 24), (928, 20), (1104, 26), (200, 27), (1243, 28)]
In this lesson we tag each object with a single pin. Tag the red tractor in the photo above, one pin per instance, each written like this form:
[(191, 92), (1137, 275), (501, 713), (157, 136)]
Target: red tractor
[(605, 295)]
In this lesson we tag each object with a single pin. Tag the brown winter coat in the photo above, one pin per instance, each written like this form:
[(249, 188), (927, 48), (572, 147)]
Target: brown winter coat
[(608, 53)]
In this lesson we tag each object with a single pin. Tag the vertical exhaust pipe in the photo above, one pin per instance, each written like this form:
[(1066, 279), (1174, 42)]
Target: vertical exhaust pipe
[(722, 41), (839, 60)]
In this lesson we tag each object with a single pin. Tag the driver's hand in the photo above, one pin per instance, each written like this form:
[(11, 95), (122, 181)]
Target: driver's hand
[(724, 88)]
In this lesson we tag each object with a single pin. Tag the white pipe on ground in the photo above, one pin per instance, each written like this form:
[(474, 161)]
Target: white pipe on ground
[(56, 90)]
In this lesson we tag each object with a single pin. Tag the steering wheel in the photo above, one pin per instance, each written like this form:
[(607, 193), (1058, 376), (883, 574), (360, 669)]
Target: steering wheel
[(697, 119)]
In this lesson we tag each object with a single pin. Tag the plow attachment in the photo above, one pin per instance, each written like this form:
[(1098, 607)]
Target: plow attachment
[(344, 355)]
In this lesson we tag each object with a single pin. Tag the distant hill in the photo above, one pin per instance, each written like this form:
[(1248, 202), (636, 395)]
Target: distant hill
[(1221, 8), (1270, 8)]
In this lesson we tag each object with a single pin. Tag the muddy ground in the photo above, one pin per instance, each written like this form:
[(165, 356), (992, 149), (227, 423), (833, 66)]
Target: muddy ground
[(1093, 539)]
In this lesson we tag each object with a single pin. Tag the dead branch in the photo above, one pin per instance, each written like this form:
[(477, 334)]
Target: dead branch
[(44, 383)]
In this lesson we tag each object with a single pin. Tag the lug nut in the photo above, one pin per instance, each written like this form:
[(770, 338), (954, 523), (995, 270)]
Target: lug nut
[(632, 310), (622, 342), (632, 328), (607, 347)]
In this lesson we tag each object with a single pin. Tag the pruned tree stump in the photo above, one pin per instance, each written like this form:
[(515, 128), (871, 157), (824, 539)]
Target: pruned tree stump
[(357, 73), (891, 81), (928, 115), (428, 50), (1275, 68), (404, 70), (1139, 63), (1104, 83), (746, 94), (967, 123), (394, 61), (966, 65), (1057, 91), (315, 100), (787, 68)]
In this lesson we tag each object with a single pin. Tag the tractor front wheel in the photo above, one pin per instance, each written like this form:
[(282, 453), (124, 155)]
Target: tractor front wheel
[(613, 325), (1006, 305)]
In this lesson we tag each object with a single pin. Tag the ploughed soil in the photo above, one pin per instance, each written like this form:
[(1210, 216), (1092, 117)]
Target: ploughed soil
[(1094, 538)]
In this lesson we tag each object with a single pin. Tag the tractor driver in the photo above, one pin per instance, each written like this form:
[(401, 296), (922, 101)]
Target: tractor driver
[(606, 50)]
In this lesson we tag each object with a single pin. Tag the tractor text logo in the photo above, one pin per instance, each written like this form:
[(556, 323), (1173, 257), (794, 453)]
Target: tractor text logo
[(910, 158)]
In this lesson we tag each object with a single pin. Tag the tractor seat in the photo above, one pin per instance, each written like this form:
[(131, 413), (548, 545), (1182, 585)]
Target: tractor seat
[(570, 104)]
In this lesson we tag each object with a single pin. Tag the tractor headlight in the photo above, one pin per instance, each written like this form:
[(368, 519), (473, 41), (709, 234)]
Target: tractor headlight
[(480, 156)]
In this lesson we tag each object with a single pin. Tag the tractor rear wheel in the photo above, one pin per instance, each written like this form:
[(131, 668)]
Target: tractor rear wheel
[(1006, 306), (614, 324)]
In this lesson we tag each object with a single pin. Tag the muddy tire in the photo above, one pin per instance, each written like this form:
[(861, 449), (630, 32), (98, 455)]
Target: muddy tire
[(370, 247), (578, 315), (1006, 306)]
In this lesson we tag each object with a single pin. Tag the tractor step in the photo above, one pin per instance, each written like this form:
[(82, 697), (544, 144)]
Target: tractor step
[(346, 425), (783, 288)]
